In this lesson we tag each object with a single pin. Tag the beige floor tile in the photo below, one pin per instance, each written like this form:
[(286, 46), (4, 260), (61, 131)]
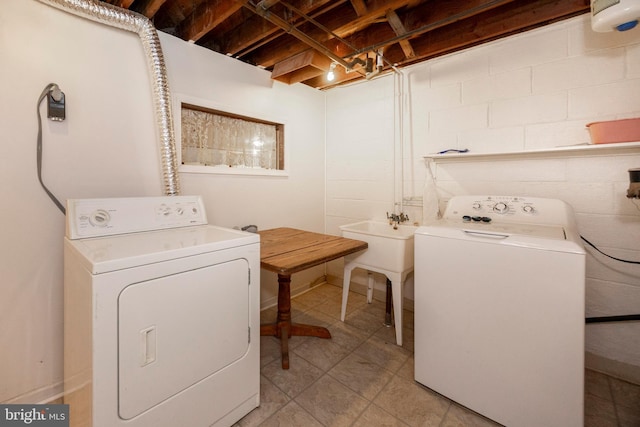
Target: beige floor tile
[(354, 302), (387, 355), (407, 371), (597, 384), (361, 375), (271, 400), (269, 350), (292, 381), (332, 309), (347, 336), (411, 403), (628, 418), (458, 416), (314, 317), (328, 291), (376, 308), (292, 415), (376, 416), (599, 412), (625, 394), (388, 334), (331, 403), (309, 299), (323, 353), (364, 320)]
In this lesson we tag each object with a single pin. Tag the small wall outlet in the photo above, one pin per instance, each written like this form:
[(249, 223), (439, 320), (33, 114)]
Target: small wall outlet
[(56, 106)]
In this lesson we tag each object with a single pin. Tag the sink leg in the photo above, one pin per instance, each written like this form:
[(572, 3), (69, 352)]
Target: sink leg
[(345, 289), (397, 293), (370, 283), (387, 316)]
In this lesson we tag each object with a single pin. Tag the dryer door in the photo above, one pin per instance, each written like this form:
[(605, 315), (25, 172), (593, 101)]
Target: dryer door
[(177, 330)]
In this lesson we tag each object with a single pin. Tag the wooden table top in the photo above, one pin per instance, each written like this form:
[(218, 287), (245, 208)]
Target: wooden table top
[(288, 250)]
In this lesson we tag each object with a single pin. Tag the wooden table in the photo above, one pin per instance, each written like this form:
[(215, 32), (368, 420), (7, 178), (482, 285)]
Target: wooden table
[(286, 251)]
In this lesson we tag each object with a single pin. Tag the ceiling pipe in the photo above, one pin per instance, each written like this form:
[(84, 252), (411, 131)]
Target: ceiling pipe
[(295, 32)]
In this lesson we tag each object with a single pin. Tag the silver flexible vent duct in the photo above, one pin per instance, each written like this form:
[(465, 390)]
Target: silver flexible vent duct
[(127, 20)]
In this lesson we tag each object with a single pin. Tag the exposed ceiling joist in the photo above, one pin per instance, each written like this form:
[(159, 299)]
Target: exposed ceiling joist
[(270, 32), (398, 28), (205, 18)]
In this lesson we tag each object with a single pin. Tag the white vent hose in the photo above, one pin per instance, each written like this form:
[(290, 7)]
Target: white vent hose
[(131, 21)]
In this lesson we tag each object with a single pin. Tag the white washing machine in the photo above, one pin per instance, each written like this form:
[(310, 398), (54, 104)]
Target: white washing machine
[(499, 309), (161, 317)]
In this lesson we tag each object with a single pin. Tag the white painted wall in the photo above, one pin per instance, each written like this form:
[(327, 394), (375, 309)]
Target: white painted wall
[(107, 147), (531, 91)]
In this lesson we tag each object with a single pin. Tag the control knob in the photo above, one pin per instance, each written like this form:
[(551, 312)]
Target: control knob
[(500, 207), (528, 209), (476, 205), (99, 218)]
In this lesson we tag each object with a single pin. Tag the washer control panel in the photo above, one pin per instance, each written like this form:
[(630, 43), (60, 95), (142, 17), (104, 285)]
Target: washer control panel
[(491, 209), (105, 217)]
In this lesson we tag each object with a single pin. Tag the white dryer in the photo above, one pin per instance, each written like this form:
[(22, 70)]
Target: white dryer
[(161, 317), (499, 309)]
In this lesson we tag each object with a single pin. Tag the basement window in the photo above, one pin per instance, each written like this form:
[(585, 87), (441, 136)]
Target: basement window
[(221, 142)]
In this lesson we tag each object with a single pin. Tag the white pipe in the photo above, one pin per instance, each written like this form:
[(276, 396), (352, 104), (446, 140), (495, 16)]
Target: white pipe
[(127, 20), (399, 93)]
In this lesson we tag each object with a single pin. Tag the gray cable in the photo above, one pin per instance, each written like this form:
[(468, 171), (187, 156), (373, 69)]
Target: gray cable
[(50, 87)]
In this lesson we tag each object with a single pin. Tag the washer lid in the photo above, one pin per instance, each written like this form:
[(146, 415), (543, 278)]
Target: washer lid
[(545, 237), (104, 254)]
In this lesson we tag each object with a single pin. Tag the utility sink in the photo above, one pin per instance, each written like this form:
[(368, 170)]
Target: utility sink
[(390, 248), (390, 252)]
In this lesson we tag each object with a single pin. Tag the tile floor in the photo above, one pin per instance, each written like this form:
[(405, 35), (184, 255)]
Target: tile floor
[(361, 378)]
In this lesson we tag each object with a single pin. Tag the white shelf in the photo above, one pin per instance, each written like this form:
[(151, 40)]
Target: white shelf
[(567, 151)]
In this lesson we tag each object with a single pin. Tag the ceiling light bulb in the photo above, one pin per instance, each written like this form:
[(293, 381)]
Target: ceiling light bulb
[(331, 75)]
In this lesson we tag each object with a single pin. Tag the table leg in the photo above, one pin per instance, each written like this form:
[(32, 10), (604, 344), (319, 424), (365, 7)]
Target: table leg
[(283, 328)]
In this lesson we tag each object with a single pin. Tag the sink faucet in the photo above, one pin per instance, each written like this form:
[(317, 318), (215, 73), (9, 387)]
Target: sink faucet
[(395, 219)]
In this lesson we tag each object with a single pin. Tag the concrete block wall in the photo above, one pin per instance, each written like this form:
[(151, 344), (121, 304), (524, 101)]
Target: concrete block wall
[(532, 91)]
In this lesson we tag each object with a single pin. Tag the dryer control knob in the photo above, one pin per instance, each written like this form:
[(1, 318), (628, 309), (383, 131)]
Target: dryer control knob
[(476, 205), (528, 209), (500, 207), (99, 218)]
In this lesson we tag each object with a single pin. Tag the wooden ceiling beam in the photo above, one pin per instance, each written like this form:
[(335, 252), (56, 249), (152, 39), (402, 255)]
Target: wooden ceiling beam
[(359, 6), (205, 18), (256, 31), (521, 16), (148, 8), (376, 9), (374, 36), (399, 29), (300, 35), (424, 18), (125, 4), (173, 12), (341, 21), (409, 31)]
